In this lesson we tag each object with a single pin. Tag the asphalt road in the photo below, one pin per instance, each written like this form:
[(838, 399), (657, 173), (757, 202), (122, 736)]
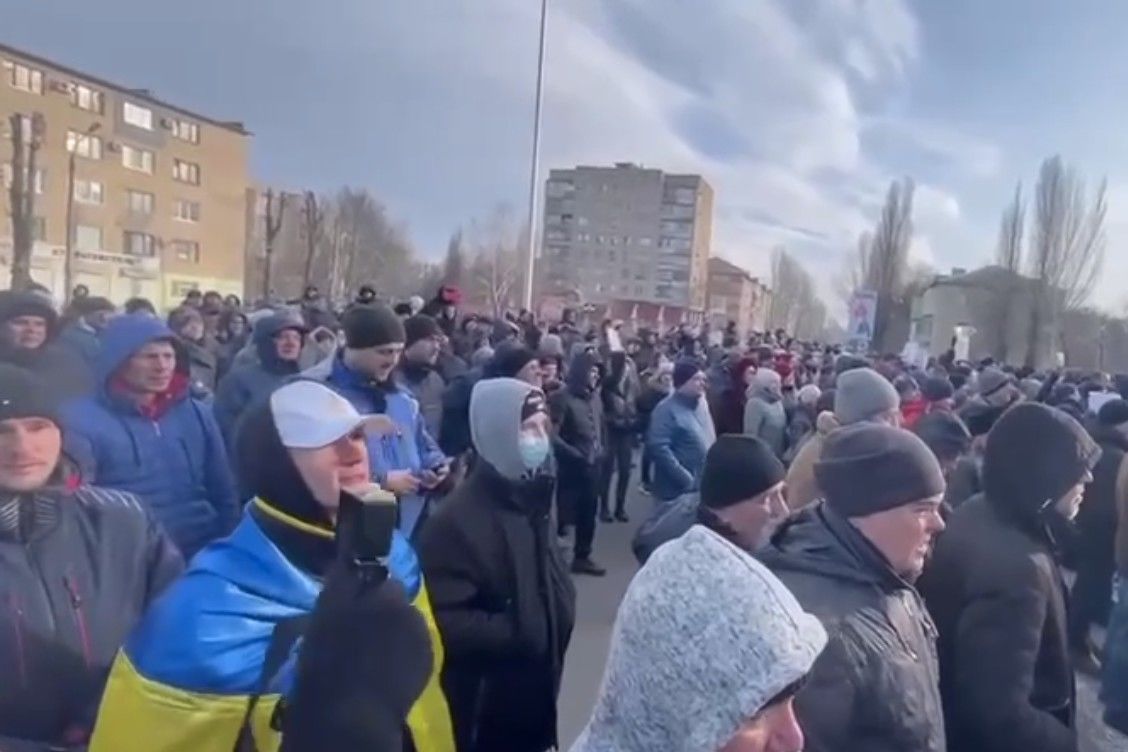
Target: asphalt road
[(598, 599)]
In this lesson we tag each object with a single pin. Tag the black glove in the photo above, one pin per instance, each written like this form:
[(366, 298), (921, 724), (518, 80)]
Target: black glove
[(364, 660)]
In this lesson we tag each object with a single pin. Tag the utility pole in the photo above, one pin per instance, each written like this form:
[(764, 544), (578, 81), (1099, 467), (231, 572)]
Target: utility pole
[(534, 167)]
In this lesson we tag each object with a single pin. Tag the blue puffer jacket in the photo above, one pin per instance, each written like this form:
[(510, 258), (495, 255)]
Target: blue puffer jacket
[(177, 463), (681, 432), (412, 449)]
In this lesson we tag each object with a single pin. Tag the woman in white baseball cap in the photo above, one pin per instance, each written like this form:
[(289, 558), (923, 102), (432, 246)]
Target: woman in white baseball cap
[(207, 645)]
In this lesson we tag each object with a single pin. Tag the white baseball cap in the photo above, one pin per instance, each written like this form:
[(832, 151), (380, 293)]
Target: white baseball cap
[(310, 415)]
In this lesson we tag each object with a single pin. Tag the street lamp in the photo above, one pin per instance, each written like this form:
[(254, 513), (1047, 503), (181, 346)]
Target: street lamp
[(68, 259), (534, 169)]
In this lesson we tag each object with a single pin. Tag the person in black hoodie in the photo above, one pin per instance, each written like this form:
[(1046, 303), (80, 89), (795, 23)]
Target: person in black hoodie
[(278, 342), (78, 567), (28, 329), (498, 585), (996, 591), (580, 441), (1095, 549), (620, 405)]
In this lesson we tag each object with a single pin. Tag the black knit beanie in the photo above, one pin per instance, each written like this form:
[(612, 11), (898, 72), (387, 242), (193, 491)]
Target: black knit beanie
[(944, 433), (22, 396), (420, 327), (684, 370), (937, 388), (15, 304), (372, 325), (738, 468), (1113, 413), (868, 468), (508, 360)]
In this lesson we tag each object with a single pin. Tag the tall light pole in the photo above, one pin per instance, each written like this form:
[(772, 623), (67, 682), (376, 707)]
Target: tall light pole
[(534, 168), (68, 259)]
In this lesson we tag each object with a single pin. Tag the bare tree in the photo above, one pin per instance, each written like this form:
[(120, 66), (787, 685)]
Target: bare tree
[(313, 227), (1066, 248), (495, 268), (1008, 255), (856, 272), (27, 136), (795, 305), (272, 225), (889, 255)]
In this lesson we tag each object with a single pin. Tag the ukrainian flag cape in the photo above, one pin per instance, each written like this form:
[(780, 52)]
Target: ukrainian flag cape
[(183, 679)]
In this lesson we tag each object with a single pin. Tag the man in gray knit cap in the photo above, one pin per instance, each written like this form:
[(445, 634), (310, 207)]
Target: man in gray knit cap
[(706, 656), (852, 560)]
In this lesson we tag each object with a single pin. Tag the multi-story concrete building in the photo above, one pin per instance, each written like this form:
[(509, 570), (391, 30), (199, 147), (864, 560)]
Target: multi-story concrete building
[(627, 233), (159, 191), (735, 295)]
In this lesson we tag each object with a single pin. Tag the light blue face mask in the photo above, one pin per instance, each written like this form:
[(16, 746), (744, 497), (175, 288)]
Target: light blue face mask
[(533, 450)]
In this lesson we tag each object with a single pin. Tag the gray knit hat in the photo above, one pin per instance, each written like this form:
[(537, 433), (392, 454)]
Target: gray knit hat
[(862, 394), (705, 637)]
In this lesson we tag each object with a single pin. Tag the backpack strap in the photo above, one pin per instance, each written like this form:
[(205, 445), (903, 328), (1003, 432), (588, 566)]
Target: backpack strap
[(282, 639)]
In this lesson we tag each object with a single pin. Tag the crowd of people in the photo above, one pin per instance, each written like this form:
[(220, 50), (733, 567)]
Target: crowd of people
[(844, 551)]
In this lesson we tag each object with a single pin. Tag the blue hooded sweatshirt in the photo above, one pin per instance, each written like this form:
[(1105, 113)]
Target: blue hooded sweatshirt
[(412, 448), (176, 463)]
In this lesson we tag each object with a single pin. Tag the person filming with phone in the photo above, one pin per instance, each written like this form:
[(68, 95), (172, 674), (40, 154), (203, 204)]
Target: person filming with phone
[(213, 665)]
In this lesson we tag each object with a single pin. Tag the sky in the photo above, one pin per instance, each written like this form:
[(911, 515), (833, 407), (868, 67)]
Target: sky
[(798, 112)]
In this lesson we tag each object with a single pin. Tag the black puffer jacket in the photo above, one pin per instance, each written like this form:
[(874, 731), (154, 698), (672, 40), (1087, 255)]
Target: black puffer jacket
[(77, 570), (577, 414), (505, 607), (996, 591), (875, 688)]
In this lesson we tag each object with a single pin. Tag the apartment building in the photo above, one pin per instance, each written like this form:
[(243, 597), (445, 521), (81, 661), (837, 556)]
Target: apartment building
[(159, 191), (735, 295), (627, 233)]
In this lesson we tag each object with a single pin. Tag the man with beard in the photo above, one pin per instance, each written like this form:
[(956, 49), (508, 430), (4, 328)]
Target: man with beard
[(416, 373), (852, 561), (27, 329), (408, 463), (996, 590)]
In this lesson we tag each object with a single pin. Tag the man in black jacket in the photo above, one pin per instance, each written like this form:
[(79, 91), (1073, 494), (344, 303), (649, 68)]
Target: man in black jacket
[(580, 441), (852, 561), (996, 591), (620, 405), (78, 567), (28, 329), (1095, 552), (499, 589)]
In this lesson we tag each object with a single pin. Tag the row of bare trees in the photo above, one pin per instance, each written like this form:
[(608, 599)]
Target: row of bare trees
[(340, 241), (795, 304), (1061, 261)]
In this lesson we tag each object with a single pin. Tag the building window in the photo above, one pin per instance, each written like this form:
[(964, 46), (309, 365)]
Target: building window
[(137, 159), (39, 182), (139, 202), (25, 78), (135, 115), (186, 211), (88, 191), (645, 242), (87, 238), (185, 130), (85, 98), (138, 244), (186, 172), (85, 145), (186, 250)]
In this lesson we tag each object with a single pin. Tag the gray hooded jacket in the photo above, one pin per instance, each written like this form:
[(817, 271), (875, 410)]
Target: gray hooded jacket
[(705, 637)]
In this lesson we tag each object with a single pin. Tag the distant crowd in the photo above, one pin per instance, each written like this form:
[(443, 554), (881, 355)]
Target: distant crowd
[(843, 551)]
